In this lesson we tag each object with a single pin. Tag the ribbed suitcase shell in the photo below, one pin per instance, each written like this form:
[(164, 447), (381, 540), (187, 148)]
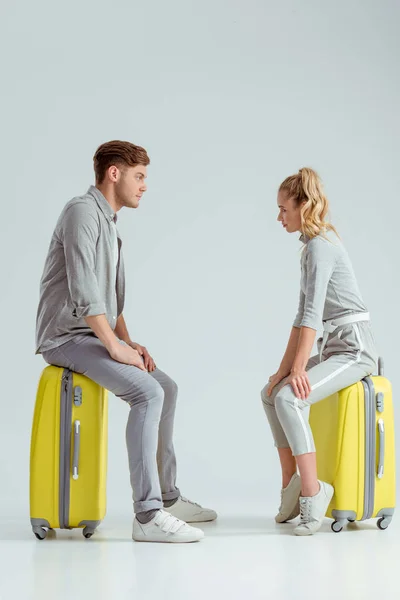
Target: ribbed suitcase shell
[(355, 444), (68, 459)]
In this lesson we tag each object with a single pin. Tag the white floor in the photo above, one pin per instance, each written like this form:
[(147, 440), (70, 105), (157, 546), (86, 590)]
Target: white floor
[(242, 557)]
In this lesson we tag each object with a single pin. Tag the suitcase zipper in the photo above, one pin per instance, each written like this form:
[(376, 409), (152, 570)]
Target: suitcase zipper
[(65, 448), (370, 448)]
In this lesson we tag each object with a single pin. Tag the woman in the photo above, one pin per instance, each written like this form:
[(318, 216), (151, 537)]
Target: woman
[(329, 293)]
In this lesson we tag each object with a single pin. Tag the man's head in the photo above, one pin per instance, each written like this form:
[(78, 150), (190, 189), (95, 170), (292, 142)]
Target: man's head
[(121, 171)]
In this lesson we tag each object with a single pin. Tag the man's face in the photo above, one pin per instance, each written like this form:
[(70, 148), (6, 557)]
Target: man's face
[(131, 186)]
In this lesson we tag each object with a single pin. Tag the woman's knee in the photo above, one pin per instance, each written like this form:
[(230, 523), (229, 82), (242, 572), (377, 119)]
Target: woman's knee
[(269, 400), (284, 399), (264, 395)]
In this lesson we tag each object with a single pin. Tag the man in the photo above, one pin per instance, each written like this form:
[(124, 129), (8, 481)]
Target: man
[(80, 326)]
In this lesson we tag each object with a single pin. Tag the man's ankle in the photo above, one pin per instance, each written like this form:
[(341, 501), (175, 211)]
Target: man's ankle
[(169, 503), (146, 516)]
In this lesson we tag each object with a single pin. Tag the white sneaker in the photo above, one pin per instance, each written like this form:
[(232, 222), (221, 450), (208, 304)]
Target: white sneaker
[(313, 510), (165, 528), (191, 512), (289, 508)]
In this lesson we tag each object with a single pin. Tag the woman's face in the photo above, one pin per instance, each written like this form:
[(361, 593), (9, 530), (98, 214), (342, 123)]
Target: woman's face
[(289, 213)]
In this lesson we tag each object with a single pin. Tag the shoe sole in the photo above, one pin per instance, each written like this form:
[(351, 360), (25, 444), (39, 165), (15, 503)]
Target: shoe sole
[(295, 513), (192, 519), (200, 520), (146, 540)]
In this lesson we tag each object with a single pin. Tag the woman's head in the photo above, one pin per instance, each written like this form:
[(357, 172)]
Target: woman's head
[(302, 204)]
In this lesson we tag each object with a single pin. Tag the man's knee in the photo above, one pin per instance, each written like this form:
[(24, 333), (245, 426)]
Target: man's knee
[(171, 388), (147, 392)]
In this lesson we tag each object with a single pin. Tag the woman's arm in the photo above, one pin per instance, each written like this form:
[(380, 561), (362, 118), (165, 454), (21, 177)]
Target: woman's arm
[(305, 344), (291, 349), (290, 353), (319, 265), (298, 375)]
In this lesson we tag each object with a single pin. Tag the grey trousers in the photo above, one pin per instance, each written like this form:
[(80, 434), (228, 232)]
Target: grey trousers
[(348, 357), (152, 400)]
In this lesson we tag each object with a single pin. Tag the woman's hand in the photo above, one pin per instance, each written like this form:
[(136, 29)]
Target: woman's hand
[(274, 380), (300, 384)]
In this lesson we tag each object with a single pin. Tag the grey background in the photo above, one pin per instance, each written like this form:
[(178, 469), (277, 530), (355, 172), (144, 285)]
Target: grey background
[(228, 98)]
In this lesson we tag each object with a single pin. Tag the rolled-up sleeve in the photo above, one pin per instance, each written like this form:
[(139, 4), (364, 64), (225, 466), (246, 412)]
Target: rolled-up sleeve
[(80, 232), (320, 262)]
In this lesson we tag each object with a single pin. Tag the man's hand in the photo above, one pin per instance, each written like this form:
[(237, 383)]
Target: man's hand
[(300, 384), (127, 356), (148, 361)]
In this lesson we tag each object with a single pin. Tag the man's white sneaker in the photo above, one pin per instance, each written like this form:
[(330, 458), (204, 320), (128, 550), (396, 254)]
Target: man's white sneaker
[(165, 528), (191, 512), (289, 508), (313, 510)]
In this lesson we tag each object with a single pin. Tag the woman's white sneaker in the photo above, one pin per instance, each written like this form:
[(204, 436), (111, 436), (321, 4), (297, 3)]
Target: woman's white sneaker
[(313, 510), (191, 512), (289, 508), (165, 528)]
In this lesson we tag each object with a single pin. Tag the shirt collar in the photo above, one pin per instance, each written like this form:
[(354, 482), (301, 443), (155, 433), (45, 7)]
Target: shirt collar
[(304, 238), (102, 203)]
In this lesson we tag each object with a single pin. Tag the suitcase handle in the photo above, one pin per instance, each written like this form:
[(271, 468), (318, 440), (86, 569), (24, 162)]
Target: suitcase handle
[(381, 430), (77, 443)]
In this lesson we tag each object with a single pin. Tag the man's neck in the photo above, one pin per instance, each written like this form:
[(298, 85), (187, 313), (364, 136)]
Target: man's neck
[(109, 195)]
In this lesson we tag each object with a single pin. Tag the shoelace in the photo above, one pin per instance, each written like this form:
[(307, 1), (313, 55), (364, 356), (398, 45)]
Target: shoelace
[(305, 507), (190, 501), (168, 523)]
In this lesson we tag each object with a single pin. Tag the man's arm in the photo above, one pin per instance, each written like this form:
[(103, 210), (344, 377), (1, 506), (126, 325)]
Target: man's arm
[(102, 329), (121, 353), (79, 234), (121, 331)]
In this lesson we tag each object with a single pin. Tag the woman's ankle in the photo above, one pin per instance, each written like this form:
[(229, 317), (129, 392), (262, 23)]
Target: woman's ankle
[(310, 490), (287, 477)]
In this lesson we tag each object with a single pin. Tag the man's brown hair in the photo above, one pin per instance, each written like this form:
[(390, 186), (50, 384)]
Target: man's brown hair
[(120, 154)]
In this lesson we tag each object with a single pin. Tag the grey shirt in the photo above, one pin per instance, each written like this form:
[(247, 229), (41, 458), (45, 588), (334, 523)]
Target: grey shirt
[(328, 287), (83, 273)]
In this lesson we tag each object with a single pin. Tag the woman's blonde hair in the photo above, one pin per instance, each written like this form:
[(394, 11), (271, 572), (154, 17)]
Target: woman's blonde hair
[(305, 188)]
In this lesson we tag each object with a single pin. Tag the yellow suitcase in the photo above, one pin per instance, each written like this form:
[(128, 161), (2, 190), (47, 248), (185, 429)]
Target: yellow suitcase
[(68, 458), (355, 444)]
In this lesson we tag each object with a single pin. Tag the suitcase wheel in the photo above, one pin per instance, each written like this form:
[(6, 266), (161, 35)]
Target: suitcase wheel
[(39, 532), (383, 523), (87, 532), (337, 526)]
